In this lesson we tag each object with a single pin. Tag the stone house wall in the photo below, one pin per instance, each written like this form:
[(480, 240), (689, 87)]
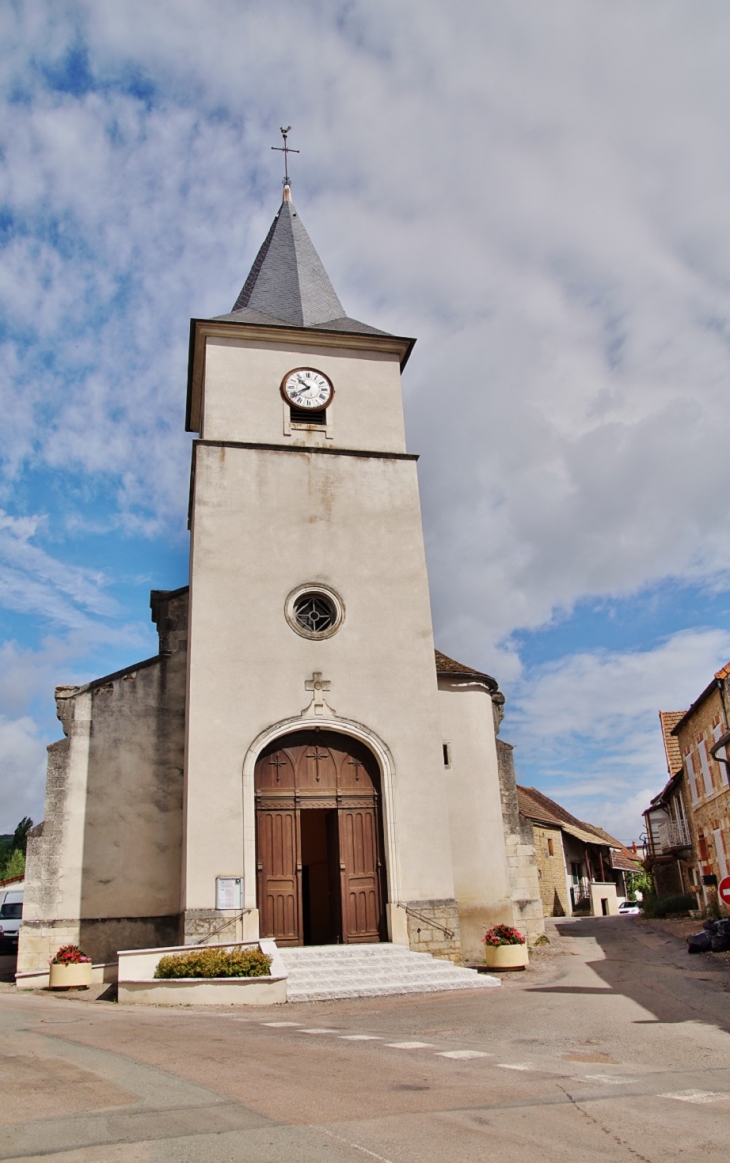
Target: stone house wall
[(551, 870), (709, 791)]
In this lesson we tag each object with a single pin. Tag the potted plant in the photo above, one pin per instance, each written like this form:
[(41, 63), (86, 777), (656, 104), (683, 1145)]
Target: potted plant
[(505, 948), (70, 969)]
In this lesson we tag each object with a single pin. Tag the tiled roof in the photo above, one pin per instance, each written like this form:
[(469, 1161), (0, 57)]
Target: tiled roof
[(626, 860), (724, 673), (606, 835), (530, 807), (288, 283), (446, 665), (669, 720), (537, 806)]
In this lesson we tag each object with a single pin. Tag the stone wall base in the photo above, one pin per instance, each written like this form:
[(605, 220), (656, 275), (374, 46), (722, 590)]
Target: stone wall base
[(201, 926), (99, 937), (425, 936)]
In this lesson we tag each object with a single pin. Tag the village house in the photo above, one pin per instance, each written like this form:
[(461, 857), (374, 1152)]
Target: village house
[(690, 819), (582, 869), (670, 855)]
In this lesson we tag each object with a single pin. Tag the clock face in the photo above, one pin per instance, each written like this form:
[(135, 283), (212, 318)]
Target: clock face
[(307, 388)]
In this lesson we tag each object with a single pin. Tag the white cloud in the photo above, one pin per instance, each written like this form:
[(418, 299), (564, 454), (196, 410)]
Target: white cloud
[(23, 767)]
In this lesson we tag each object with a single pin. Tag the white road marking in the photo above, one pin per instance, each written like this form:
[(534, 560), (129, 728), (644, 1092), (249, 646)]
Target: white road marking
[(360, 1038), (694, 1095), (317, 1030), (463, 1054), (611, 1079), (515, 1065), (277, 1024), (410, 1045), (356, 1146)]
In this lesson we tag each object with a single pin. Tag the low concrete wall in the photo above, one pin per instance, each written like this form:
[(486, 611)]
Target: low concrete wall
[(604, 892), (137, 982), (38, 978), (210, 991)]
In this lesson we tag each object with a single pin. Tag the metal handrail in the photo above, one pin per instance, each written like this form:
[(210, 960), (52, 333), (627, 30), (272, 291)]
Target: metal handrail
[(238, 916), (427, 920)]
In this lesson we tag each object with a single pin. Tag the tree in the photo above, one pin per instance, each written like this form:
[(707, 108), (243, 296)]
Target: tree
[(20, 836), (15, 866)]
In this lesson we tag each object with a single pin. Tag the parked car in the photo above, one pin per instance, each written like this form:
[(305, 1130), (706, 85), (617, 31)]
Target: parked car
[(11, 914), (629, 909)]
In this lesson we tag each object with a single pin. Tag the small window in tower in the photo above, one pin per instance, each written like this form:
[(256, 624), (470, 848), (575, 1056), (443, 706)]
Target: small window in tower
[(314, 611), (447, 754), (304, 416), (551, 847)]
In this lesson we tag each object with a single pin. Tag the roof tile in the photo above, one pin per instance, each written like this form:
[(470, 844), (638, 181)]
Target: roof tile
[(669, 720)]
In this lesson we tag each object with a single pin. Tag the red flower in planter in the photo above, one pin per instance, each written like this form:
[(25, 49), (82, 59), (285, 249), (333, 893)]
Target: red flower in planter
[(503, 935), (69, 955)]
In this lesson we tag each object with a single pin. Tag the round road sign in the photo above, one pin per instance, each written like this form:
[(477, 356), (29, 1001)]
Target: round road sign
[(723, 890)]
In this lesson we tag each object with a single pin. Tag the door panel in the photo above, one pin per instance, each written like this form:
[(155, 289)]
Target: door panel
[(279, 875), (360, 874)]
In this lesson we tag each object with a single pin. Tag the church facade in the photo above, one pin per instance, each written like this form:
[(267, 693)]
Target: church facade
[(298, 761)]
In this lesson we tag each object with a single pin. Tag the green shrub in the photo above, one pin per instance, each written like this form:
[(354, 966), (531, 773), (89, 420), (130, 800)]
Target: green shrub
[(215, 962), (668, 905)]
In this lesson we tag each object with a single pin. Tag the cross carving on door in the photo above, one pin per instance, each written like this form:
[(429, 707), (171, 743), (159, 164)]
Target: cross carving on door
[(316, 755), (357, 764), (277, 762)]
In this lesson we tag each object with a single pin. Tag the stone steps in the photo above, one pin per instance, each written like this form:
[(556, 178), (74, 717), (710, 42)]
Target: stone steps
[(326, 972)]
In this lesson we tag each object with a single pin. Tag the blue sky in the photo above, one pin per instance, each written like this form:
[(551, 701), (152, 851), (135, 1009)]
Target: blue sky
[(538, 192)]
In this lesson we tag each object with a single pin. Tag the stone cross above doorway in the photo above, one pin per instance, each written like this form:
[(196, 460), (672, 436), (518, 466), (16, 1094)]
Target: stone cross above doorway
[(317, 685)]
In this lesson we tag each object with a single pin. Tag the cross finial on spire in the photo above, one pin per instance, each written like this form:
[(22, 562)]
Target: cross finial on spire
[(286, 150)]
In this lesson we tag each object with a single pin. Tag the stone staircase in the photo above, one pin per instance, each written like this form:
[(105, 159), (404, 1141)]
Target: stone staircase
[(325, 972)]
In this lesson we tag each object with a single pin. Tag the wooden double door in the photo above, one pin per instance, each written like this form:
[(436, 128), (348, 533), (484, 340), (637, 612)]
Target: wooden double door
[(319, 840)]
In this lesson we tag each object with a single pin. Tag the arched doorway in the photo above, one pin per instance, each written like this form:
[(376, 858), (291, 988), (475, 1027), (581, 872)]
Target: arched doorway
[(319, 840)]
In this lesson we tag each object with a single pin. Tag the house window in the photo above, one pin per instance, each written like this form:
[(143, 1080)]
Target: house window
[(447, 754), (551, 847)]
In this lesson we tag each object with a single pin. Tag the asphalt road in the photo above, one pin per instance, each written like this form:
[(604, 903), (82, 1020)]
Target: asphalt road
[(614, 1046)]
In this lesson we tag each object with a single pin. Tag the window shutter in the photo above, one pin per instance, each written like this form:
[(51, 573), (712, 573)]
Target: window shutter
[(704, 763), (689, 767)]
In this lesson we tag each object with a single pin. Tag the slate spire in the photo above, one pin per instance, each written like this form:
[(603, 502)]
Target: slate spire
[(287, 281), (288, 284)]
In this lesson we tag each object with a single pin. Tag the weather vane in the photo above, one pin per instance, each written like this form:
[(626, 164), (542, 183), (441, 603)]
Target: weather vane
[(286, 150)]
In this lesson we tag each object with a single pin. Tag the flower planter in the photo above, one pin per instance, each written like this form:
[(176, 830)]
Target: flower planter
[(77, 975), (506, 956)]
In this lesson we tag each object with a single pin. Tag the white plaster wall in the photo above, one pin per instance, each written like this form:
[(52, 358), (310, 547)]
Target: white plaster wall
[(263, 523), (601, 891), (481, 874), (242, 399)]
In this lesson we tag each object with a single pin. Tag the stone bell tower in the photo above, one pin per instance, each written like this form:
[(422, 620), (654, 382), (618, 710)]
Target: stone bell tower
[(314, 769)]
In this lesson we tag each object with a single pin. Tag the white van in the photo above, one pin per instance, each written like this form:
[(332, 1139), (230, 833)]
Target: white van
[(11, 914)]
